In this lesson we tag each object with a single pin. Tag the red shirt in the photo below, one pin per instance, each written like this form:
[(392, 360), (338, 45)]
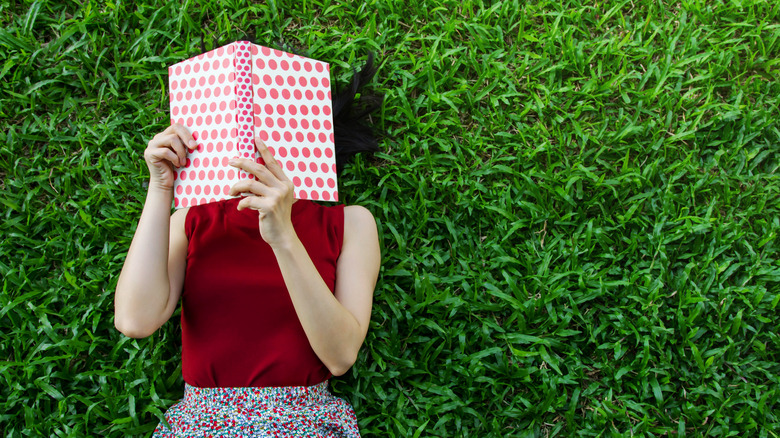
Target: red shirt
[(239, 327)]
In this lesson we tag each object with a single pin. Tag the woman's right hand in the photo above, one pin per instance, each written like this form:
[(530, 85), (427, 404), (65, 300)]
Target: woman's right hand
[(165, 151)]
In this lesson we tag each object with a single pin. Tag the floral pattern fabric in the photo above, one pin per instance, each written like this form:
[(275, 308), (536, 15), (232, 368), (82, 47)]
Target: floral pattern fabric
[(295, 411)]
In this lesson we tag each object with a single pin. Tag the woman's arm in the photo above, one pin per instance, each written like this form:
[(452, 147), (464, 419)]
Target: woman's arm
[(150, 284), (152, 276), (335, 324)]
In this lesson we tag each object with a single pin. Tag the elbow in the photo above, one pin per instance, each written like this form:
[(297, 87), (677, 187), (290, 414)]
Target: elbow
[(341, 366), (131, 329), (337, 371), (135, 320)]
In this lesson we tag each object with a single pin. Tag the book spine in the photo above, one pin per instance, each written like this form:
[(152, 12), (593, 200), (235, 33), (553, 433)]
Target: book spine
[(244, 111)]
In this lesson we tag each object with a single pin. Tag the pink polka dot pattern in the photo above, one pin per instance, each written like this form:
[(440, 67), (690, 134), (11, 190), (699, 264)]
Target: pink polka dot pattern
[(229, 95), (245, 136), (201, 89), (297, 124)]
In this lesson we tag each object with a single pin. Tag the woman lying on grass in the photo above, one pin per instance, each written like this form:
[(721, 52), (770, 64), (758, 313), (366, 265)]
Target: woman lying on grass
[(276, 292)]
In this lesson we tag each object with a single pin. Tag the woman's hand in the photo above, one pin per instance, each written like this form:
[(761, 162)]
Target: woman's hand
[(271, 195), (165, 151)]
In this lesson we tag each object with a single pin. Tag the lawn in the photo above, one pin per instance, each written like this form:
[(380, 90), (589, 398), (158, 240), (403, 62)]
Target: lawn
[(578, 204)]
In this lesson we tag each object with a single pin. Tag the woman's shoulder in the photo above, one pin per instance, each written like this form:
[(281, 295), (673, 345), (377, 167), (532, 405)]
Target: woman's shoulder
[(361, 236), (178, 219), (359, 221), (358, 214), (180, 212), (180, 215)]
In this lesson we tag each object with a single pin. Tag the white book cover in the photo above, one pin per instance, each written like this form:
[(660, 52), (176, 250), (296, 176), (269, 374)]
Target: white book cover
[(229, 95)]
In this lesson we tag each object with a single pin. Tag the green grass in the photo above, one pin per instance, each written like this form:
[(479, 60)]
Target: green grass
[(579, 208)]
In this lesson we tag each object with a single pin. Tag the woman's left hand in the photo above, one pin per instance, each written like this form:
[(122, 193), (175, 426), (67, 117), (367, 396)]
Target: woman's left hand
[(271, 194)]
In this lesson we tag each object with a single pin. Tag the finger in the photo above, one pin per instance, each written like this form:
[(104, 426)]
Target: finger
[(255, 203), (270, 161), (259, 171), (170, 142), (180, 150), (250, 186), (164, 154), (172, 158), (185, 135)]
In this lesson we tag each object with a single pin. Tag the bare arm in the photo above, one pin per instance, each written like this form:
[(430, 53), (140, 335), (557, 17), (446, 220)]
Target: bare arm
[(335, 324), (152, 276), (150, 284)]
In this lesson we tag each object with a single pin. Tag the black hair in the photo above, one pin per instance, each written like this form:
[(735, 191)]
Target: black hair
[(351, 113)]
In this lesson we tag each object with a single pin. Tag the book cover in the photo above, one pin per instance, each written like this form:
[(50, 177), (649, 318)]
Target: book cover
[(230, 95)]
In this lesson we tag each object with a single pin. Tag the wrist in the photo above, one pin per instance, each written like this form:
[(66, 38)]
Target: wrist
[(157, 188), (157, 195), (287, 242)]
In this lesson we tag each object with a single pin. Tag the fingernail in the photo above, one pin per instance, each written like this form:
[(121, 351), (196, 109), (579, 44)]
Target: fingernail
[(193, 143)]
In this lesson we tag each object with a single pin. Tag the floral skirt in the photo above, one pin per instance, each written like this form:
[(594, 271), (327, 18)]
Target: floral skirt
[(294, 411)]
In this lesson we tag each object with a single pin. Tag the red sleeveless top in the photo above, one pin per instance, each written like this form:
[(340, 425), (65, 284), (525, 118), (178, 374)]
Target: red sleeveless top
[(238, 324)]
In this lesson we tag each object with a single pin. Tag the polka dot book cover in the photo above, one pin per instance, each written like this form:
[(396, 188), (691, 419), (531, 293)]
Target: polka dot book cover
[(229, 95)]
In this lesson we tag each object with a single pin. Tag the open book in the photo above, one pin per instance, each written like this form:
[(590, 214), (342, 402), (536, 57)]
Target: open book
[(229, 95)]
